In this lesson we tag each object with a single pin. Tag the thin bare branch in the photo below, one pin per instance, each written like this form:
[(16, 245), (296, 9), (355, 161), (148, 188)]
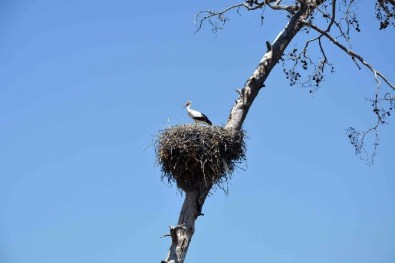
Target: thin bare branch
[(382, 107), (351, 53), (332, 20), (208, 14), (303, 59), (219, 15)]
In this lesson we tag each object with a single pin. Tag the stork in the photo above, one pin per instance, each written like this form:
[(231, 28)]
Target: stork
[(198, 117)]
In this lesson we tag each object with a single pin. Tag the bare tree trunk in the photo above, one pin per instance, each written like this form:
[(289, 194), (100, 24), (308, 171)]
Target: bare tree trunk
[(182, 233)]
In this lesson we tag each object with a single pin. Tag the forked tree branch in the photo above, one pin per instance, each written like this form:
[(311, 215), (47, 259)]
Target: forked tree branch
[(209, 15), (351, 53), (275, 5), (357, 138)]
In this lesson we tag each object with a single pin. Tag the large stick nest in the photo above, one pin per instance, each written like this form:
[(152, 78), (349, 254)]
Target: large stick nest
[(195, 155)]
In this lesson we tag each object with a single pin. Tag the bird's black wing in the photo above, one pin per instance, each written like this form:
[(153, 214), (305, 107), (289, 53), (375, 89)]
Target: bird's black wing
[(205, 119)]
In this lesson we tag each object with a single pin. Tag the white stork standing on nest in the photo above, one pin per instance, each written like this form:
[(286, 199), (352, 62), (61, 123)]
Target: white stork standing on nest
[(198, 117)]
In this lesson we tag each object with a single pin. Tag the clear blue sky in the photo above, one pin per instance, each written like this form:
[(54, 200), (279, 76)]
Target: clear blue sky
[(86, 85)]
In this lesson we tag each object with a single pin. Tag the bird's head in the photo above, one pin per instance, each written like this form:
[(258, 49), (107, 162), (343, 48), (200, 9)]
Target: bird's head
[(188, 103)]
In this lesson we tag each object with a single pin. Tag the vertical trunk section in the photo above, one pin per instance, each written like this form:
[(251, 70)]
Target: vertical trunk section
[(181, 235)]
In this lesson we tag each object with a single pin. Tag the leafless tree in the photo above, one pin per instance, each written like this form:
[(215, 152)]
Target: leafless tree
[(326, 21)]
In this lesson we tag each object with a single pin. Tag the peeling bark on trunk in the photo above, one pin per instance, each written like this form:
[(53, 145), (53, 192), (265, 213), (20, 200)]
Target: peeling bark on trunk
[(181, 234)]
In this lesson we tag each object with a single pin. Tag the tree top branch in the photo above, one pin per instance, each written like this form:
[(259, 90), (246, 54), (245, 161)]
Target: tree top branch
[(351, 53)]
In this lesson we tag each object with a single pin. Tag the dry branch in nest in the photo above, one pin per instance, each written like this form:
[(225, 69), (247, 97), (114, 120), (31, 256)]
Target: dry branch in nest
[(194, 155)]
